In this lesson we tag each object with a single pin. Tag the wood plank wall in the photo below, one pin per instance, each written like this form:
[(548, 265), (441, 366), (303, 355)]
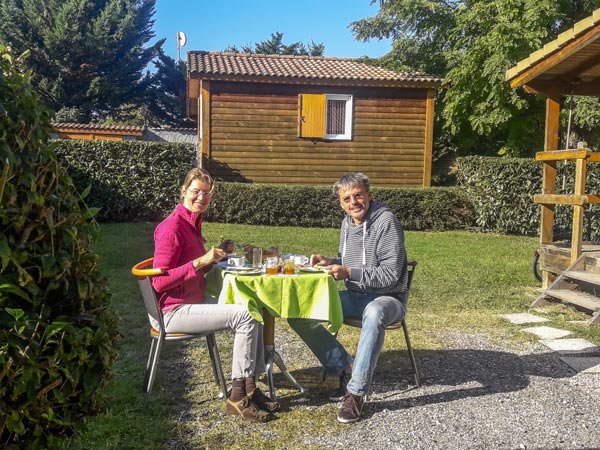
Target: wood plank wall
[(91, 136), (253, 137)]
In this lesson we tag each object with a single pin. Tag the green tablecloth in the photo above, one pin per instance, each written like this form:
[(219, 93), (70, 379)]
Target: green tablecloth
[(305, 295)]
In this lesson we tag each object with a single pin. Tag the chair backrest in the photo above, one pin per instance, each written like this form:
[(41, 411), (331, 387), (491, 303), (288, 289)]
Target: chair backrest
[(144, 272), (411, 266)]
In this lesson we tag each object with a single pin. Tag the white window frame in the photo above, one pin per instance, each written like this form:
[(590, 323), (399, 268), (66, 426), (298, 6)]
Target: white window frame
[(348, 119)]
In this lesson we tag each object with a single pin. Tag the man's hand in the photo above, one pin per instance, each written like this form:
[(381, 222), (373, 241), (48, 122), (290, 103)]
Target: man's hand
[(319, 260), (227, 245), (339, 272)]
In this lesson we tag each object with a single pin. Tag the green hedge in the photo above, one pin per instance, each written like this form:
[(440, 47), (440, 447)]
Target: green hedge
[(131, 181), (128, 180), (502, 189), (316, 206)]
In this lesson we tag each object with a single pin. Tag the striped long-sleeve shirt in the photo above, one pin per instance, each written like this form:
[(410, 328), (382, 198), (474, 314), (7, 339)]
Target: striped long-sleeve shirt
[(374, 250)]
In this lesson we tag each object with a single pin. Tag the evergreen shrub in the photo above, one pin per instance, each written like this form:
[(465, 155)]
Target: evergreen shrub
[(316, 206), (131, 181), (127, 180), (502, 190), (58, 335)]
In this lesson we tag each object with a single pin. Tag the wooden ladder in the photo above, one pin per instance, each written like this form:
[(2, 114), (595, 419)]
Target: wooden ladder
[(577, 286)]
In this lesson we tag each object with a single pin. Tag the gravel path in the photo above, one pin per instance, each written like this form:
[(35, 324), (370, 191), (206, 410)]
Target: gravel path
[(476, 394)]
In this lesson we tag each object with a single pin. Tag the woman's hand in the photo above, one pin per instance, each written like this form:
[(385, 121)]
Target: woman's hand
[(227, 245), (214, 255)]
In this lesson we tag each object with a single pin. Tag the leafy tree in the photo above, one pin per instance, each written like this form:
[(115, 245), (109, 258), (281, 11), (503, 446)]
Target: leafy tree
[(275, 46), (472, 43), (57, 333), (87, 57)]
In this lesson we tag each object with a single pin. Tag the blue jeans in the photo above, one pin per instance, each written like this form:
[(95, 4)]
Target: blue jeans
[(377, 311)]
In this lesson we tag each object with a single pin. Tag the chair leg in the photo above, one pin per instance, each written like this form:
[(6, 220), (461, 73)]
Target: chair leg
[(411, 354), (211, 344), (215, 360), (154, 364), (149, 364)]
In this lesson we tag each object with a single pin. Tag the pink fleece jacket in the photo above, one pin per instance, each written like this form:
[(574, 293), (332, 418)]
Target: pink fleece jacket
[(177, 241)]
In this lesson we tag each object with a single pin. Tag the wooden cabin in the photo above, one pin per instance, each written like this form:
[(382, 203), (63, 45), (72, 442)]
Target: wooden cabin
[(568, 65), (309, 120), (88, 131)]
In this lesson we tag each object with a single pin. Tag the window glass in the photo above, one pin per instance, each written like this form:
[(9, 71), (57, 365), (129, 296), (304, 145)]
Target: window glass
[(336, 116)]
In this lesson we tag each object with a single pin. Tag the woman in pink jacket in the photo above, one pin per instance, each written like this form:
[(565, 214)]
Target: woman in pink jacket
[(180, 252)]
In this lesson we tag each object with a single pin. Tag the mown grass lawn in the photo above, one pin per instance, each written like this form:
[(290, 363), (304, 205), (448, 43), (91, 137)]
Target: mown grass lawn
[(463, 280)]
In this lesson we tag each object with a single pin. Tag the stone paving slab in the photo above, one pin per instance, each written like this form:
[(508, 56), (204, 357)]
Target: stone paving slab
[(583, 364), (523, 318), (547, 332), (576, 346)]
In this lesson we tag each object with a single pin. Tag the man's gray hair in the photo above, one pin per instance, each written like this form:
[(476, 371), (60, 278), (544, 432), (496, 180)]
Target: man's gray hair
[(350, 180)]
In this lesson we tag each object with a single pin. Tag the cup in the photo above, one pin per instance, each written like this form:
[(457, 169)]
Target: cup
[(236, 261), (256, 257), (289, 267), (300, 260), (271, 266)]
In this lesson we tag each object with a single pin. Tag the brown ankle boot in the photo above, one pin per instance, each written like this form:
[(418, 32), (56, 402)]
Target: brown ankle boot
[(248, 410), (264, 402)]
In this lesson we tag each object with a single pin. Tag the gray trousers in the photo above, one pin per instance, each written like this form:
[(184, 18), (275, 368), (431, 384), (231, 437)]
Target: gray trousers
[(208, 317)]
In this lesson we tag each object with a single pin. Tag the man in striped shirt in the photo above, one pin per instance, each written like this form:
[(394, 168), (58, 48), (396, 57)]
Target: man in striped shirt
[(372, 262)]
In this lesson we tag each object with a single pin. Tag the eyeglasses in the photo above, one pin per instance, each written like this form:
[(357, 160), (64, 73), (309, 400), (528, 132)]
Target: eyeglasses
[(357, 197), (196, 193)]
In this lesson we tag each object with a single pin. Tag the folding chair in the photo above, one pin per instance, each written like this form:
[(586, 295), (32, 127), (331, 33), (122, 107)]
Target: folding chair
[(144, 271), (357, 323)]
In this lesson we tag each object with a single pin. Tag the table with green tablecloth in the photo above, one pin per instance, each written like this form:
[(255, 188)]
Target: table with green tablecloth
[(308, 296), (303, 295)]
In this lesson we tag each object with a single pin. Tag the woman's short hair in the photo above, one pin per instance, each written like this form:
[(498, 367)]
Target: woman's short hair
[(350, 180), (196, 174)]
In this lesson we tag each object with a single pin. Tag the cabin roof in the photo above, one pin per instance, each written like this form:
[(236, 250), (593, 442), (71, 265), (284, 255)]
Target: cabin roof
[(568, 64), (94, 127), (300, 70)]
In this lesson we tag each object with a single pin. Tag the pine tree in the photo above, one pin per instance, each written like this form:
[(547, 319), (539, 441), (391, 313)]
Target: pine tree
[(166, 95), (275, 46), (87, 57)]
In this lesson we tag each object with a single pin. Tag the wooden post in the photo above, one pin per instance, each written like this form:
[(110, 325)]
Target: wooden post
[(204, 124), (549, 175), (576, 239), (429, 115)]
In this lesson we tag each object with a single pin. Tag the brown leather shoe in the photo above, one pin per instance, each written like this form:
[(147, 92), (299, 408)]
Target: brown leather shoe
[(263, 402), (247, 409)]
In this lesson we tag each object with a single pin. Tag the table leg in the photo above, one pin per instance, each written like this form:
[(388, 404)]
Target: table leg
[(272, 357)]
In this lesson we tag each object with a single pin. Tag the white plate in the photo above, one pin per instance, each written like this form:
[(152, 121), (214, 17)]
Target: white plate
[(311, 269), (247, 271), (240, 268)]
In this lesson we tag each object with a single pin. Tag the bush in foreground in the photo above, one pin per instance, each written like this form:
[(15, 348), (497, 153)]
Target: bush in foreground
[(57, 333)]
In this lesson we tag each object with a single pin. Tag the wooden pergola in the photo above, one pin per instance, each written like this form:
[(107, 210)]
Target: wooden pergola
[(569, 65)]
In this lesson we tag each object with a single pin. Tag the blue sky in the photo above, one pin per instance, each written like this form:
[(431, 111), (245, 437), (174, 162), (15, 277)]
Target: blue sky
[(213, 25)]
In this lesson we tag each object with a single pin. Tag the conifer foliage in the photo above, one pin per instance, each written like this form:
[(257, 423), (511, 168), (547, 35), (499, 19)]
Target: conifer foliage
[(87, 57), (57, 333)]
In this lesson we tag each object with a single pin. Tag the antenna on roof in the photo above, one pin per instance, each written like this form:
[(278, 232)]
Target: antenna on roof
[(181, 41)]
